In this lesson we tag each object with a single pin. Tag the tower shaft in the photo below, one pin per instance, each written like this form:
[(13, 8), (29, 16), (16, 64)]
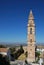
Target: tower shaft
[(31, 38)]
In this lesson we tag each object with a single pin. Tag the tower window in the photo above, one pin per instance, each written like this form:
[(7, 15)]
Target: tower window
[(30, 49), (30, 30), (31, 40)]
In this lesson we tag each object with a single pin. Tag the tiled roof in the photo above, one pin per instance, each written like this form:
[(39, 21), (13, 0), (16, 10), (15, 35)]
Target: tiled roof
[(3, 49)]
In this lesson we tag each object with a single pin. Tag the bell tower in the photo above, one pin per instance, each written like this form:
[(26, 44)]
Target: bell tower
[(31, 38)]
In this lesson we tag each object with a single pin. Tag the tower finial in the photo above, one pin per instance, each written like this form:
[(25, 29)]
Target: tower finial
[(30, 11)]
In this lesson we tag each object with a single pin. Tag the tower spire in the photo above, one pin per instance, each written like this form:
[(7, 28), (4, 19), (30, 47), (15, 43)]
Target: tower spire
[(31, 15), (31, 18)]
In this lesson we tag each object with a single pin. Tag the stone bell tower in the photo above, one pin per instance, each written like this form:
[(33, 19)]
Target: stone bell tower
[(31, 38)]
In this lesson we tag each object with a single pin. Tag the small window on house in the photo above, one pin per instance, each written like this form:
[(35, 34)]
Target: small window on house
[(30, 30)]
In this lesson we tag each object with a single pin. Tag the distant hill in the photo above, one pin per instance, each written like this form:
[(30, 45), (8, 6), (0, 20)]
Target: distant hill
[(18, 44)]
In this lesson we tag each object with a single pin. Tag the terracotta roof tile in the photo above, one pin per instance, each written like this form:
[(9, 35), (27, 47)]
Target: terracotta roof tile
[(3, 49)]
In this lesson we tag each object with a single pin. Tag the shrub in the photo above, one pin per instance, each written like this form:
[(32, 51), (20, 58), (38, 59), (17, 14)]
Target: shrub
[(3, 60)]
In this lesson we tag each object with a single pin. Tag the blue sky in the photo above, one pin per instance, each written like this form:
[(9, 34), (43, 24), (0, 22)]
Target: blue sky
[(14, 18)]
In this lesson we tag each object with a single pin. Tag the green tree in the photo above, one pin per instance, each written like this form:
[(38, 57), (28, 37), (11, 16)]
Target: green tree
[(12, 50), (26, 53), (2, 46), (3, 60), (21, 47), (37, 54)]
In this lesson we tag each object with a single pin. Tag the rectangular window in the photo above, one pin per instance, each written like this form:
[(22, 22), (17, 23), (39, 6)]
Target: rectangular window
[(30, 30), (31, 40)]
